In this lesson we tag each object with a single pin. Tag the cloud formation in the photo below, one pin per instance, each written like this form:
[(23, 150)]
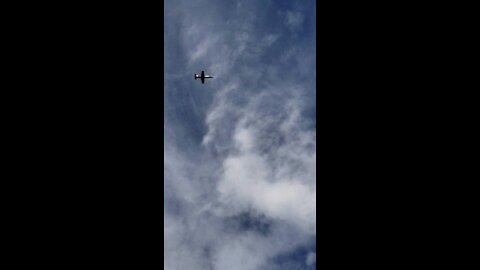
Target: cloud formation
[(240, 151)]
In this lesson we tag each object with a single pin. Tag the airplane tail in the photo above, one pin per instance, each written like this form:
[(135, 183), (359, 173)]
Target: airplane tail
[(196, 76)]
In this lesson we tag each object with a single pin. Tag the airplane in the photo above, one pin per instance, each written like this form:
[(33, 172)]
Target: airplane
[(202, 77)]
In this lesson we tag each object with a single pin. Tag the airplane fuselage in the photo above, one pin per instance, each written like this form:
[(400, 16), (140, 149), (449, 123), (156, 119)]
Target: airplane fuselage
[(202, 76)]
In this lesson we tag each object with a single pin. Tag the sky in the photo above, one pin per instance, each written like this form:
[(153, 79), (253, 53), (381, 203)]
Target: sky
[(240, 150)]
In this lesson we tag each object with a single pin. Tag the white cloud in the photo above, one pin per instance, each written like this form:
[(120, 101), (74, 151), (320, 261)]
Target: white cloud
[(282, 187)]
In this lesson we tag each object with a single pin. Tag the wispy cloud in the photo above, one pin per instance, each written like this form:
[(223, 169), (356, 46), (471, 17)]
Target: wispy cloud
[(294, 19), (311, 258)]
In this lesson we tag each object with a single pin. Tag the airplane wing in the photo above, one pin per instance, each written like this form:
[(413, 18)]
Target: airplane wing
[(203, 74), (203, 78)]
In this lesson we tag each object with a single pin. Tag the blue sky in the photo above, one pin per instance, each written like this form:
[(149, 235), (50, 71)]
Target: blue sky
[(240, 150)]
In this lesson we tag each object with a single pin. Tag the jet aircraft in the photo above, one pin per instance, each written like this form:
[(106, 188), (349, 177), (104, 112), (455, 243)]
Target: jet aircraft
[(202, 77)]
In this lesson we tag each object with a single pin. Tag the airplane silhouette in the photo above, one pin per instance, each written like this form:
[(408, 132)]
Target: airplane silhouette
[(202, 77)]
